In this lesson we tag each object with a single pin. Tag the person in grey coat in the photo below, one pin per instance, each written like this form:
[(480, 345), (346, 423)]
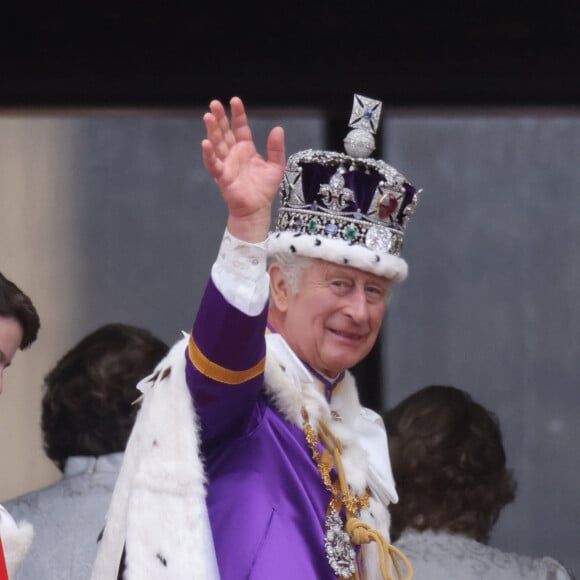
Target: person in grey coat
[(88, 411), (449, 465)]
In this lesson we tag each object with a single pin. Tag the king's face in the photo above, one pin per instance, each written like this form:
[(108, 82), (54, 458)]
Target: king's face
[(333, 321)]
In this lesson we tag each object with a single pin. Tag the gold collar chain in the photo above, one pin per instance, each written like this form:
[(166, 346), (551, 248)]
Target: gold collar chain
[(340, 494), (340, 537)]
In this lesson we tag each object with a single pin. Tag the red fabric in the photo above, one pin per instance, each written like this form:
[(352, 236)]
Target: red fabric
[(3, 571)]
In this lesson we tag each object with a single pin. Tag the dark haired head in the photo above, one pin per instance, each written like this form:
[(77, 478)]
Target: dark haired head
[(87, 408), (448, 462), (15, 304)]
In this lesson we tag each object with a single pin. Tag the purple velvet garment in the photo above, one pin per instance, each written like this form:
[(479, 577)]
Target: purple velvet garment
[(266, 499)]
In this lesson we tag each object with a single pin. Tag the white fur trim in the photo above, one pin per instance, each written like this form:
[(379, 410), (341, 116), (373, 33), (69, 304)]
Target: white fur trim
[(158, 508), (340, 252), (365, 451)]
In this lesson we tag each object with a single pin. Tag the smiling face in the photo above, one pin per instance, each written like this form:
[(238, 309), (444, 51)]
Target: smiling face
[(11, 334), (333, 321)]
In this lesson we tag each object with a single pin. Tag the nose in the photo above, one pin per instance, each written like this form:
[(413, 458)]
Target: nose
[(357, 306)]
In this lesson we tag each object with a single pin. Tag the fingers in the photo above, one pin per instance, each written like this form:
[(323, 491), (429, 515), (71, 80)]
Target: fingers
[(276, 148), (241, 128), (223, 136), (217, 127), (210, 160), (219, 112), (220, 133)]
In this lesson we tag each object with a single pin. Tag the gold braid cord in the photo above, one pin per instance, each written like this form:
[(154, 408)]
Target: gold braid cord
[(358, 531)]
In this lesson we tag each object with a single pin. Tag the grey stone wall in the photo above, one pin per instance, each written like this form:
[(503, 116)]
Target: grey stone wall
[(492, 301)]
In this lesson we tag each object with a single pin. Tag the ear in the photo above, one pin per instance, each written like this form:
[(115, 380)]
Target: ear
[(279, 291)]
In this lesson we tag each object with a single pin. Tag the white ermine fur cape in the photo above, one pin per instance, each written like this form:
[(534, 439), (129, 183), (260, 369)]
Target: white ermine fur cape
[(158, 509)]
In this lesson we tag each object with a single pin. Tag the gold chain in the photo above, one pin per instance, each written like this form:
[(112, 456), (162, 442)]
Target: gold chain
[(352, 503), (359, 532)]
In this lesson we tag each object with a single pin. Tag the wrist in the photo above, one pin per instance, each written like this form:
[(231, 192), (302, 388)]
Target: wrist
[(252, 229)]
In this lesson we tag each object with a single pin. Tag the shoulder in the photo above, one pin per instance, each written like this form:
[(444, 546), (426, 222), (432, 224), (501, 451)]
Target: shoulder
[(438, 555), (35, 501), (554, 569)]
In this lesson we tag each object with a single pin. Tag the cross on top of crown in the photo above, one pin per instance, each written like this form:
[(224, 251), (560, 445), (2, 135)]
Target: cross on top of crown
[(366, 113)]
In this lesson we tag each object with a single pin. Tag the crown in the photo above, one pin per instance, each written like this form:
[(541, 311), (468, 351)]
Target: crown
[(346, 207)]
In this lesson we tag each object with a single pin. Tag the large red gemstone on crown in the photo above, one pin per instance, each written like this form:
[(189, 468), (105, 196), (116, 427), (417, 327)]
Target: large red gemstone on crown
[(387, 205)]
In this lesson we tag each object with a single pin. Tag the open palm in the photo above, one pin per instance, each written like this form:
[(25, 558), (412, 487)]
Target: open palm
[(247, 181)]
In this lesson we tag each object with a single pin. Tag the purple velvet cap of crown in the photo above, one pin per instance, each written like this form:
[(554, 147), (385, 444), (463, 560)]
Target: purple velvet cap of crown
[(362, 182), (363, 185)]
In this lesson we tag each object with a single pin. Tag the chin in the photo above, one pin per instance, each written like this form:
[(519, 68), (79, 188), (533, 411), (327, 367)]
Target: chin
[(343, 365)]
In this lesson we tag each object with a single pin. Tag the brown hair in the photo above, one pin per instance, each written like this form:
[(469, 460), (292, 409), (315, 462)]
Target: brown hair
[(448, 462), (15, 304), (88, 404)]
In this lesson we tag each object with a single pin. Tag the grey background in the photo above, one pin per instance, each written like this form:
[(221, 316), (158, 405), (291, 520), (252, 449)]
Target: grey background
[(490, 304), (149, 219)]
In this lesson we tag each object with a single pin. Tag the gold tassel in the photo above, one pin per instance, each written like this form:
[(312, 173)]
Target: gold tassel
[(359, 532)]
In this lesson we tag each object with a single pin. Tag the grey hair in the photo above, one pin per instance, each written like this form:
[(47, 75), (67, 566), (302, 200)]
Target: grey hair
[(293, 267)]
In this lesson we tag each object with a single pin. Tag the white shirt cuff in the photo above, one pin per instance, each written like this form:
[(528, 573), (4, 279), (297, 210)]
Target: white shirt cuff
[(239, 273)]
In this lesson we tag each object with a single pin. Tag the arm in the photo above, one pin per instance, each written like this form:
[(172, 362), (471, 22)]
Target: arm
[(226, 351)]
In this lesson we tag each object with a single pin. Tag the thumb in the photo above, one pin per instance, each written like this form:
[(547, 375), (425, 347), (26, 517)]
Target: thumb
[(276, 148)]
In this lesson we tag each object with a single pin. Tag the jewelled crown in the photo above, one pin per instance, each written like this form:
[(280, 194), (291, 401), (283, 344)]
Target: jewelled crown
[(346, 207)]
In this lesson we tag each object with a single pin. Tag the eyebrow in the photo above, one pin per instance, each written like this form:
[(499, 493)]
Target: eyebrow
[(378, 281)]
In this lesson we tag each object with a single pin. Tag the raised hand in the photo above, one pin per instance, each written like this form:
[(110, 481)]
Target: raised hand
[(247, 181)]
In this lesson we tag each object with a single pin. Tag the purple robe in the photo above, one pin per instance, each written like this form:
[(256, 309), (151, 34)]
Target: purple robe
[(266, 499)]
